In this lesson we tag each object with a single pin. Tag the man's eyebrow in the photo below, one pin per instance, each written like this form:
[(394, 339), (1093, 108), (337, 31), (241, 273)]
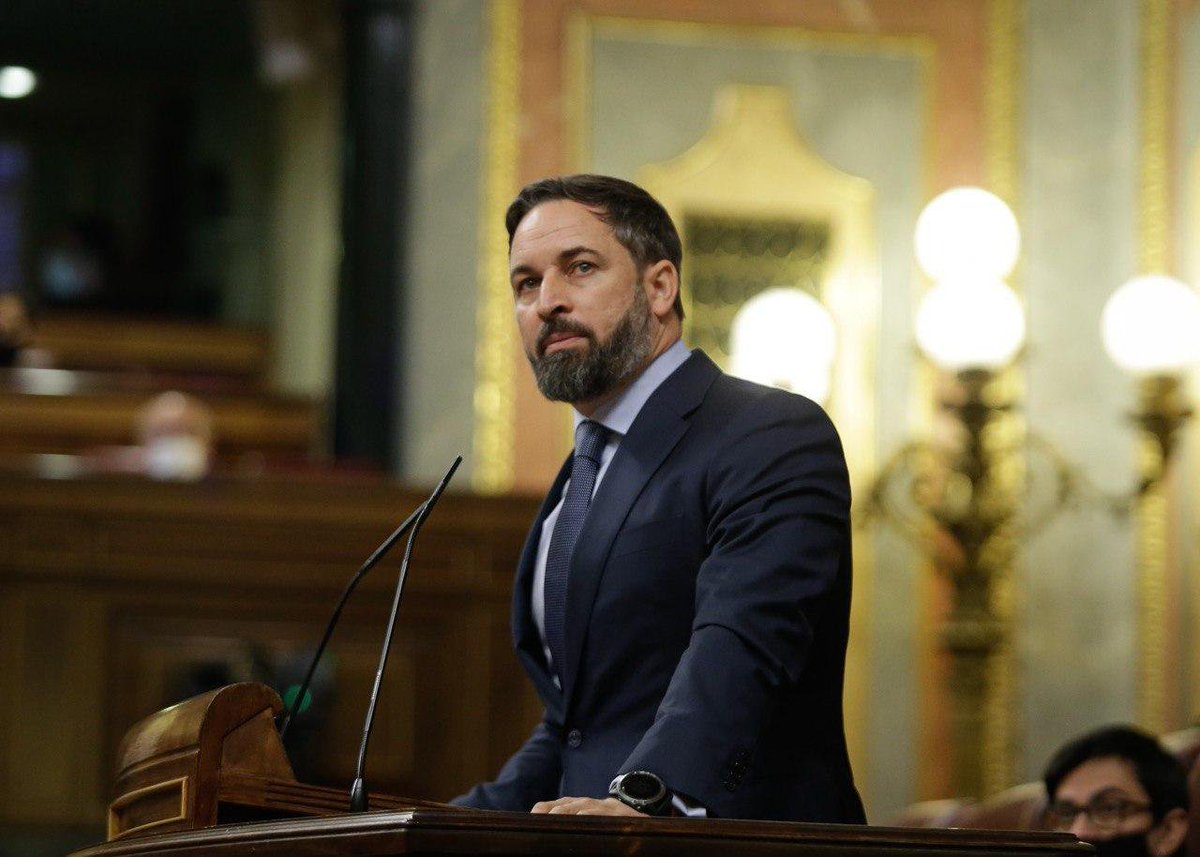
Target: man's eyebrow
[(1113, 791), (569, 253), (572, 252)]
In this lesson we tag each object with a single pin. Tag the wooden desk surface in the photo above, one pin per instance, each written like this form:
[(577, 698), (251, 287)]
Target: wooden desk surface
[(431, 832)]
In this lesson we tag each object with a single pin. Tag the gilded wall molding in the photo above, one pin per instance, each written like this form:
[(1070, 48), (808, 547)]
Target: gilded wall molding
[(1157, 55), (579, 84), (665, 32), (1003, 81), (753, 164), (585, 28), (1191, 551), (1151, 523), (492, 472)]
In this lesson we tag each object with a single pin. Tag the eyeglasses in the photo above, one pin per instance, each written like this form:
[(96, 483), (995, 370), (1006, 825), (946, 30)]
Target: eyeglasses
[(1105, 812)]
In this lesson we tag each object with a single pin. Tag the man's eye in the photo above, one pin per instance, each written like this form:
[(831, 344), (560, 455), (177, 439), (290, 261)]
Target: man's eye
[(526, 284), (584, 267)]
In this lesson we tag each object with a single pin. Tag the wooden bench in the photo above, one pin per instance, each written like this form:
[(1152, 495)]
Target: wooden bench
[(64, 411)]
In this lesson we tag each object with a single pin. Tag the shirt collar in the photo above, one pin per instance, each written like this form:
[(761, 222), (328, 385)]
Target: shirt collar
[(618, 415)]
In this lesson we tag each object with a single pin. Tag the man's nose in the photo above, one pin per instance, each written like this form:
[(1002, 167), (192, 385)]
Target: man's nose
[(553, 295), (1083, 828)]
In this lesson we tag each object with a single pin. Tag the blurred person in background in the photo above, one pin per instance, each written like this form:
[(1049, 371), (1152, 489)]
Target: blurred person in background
[(175, 434), (1119, 790), (78, 265)]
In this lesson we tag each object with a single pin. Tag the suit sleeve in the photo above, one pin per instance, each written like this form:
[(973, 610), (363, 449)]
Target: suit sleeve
[(532, 774), (778, 502)]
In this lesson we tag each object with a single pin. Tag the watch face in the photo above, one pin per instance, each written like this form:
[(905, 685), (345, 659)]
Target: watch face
[(642, 787)]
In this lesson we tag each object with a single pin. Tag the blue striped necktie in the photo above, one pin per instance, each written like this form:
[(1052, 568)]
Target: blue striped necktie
[(589, 443)]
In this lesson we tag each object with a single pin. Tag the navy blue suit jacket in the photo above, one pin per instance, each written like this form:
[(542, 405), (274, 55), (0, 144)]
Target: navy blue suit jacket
[(707, 613)]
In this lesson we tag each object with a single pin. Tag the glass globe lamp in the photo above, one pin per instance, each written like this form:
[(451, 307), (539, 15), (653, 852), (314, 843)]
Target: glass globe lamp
[(1151, 326), (967, 232), (16, 81), (785, 338), (970, 324)]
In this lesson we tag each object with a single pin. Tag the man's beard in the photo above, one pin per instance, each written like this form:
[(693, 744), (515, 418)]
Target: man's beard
[(573, 375)]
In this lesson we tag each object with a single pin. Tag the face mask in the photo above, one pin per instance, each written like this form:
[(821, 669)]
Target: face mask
[(176, 457), (67, 277), (1131, 845)]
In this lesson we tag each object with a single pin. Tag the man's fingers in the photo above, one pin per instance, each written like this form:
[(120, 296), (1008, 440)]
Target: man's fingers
[(555, 806), (609, 807), (583, 806), (570, 806)]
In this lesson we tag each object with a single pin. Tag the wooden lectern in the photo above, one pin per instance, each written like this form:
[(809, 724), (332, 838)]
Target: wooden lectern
[(213, 759), (209, 778)]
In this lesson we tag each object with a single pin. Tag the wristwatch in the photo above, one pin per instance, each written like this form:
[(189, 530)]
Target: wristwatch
[(643, 791)]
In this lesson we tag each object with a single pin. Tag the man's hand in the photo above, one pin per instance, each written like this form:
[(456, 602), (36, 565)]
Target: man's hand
[(585, 806)]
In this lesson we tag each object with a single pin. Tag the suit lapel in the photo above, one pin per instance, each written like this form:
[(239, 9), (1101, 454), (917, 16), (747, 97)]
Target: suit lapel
[(654, 433), (525, 635)]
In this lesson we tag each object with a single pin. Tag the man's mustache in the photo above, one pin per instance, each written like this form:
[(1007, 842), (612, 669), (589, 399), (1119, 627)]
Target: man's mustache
[(562, 325)]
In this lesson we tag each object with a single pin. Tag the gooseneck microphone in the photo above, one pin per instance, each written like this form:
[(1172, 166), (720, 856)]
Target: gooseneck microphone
[(358, 791), (372, 561)]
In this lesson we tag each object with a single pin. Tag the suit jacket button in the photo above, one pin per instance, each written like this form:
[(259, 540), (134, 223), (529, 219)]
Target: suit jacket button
[(574, 738)]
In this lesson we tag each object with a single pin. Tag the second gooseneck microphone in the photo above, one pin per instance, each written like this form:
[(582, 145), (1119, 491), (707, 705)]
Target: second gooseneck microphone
[(371, 562), (359, 800)]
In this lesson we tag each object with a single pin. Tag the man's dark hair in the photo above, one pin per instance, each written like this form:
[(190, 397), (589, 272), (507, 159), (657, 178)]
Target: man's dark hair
[(1160, 773), (637, 219)]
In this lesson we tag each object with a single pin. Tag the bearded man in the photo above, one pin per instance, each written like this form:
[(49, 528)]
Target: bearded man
[(682, 602)]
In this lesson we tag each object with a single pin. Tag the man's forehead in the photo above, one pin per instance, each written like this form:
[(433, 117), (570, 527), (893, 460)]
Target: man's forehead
[(560, 217), (1100, 774)]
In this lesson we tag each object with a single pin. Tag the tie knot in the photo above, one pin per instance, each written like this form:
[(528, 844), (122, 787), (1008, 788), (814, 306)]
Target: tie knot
[(589, 440)]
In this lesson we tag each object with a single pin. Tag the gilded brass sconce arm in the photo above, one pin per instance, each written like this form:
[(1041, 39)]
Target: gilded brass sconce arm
[(951, 499), (1162, 411)]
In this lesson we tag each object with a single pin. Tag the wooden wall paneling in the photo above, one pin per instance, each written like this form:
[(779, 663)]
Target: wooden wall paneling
[(53, 692), (106, 412), (421, 720), (96, 342), (119, 595)]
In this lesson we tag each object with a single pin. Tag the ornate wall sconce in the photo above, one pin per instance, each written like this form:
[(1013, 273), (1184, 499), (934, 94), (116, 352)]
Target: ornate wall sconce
[(1151, 328), (968, 501)]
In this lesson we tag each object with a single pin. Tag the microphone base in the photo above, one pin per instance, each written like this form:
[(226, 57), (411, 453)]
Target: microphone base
[(358, 796)]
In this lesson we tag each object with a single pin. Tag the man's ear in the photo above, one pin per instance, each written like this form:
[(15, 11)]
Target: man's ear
[(661, 281), (1165, 837)]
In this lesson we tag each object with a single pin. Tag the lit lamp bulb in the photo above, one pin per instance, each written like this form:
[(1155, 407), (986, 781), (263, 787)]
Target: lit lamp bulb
[(16, 81), (967, 232), (968, 241), (785, 338), (1151, 326), (973, 324)]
